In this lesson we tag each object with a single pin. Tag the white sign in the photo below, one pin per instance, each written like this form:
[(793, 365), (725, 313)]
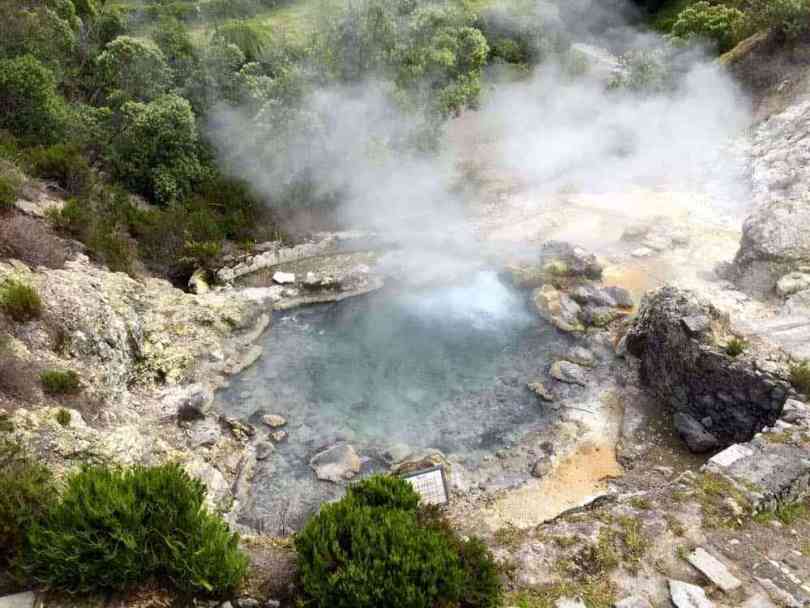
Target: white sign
[(430, 485)]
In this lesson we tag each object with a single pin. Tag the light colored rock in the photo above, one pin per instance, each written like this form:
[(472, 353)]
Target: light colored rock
[(684, 595), (274, 421), (714, 570), (570, 373), (581, 356), (337, 463), (398, 452), (567, 602), (792, 282), (18, 600), (557, 308), (278, 436), (633, 602), (540, 389), (284, 278), (758, 601), (729, 456)]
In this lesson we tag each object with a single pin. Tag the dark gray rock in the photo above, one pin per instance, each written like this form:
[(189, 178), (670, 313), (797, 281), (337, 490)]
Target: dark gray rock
[(689, 372), (694, 433)]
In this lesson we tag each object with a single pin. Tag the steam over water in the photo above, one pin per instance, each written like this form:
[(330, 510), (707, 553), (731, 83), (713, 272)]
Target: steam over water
[(445, 368)]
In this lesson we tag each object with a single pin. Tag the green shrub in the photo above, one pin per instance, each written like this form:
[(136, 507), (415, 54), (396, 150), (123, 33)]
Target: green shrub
[(355, 556), (64, 417), (375, 547), (8, 193), (60, 382), (736, 347), (790, 18), (723, 26), (113, 529), (386, 492), (156, 150), (30, 106), (64, 164), (800, 377), (26, 492), (20, 301)]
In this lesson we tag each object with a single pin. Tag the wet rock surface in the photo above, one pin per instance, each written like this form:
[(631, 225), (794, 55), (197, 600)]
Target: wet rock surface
[(711, 394)]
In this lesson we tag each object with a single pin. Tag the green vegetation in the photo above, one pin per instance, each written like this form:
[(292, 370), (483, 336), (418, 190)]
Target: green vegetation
[(113, 529), (714, 493), (60, 382), (723, 26), (375, 548), (800, 377), (735, 347), (20, 301), (63, 417), (787, 513), (8, 193), (725, 23), (26, 491)]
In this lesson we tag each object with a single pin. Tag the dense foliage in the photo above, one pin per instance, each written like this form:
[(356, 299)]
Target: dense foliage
[(722, 25), (123, 96), (375, 548), (112, 529), (26, 491)]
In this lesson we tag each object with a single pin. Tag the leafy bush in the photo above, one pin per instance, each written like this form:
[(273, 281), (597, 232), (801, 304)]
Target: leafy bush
[(64, 164), (791, 18), (60, 382), (132, 69), (374, 548), (800, 377), (722, 25), (20, 301), (26, 491), (113, 529), (384, 492), (155, 152), (354, 556), (30, 106)]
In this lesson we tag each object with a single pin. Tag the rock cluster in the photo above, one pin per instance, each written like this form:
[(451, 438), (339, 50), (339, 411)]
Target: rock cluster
[(716, 399)]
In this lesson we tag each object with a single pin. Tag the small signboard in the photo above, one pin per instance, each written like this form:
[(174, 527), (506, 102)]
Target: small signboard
[(430, 484)]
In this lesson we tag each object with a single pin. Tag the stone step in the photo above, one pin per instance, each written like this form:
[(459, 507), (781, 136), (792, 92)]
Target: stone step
[(714, 570)]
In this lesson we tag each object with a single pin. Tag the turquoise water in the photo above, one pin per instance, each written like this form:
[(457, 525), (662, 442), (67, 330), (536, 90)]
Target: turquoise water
[(444, 367)]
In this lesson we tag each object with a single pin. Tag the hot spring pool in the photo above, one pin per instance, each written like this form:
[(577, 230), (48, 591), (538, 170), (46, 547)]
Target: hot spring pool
[(444, 367)]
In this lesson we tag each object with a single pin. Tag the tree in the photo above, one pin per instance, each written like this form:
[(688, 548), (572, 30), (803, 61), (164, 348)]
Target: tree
[(155, 149), (722, 25), (30, 106), (132, 69), (45, 30)]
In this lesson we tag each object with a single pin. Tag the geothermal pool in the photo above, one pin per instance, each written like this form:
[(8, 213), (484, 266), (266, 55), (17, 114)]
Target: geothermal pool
[(443, 367)]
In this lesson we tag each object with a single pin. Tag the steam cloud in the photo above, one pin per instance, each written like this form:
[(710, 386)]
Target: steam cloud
[(551, 131)]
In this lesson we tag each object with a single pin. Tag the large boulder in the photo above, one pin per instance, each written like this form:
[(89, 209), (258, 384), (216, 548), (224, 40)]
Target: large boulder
[(776, 237), (716, 399), (337, 463), (775, 243)]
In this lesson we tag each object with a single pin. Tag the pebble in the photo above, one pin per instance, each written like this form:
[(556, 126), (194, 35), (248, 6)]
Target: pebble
[(684, 595)]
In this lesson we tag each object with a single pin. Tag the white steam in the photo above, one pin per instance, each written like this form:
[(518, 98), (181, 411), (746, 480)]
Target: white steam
[(551, 131)]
